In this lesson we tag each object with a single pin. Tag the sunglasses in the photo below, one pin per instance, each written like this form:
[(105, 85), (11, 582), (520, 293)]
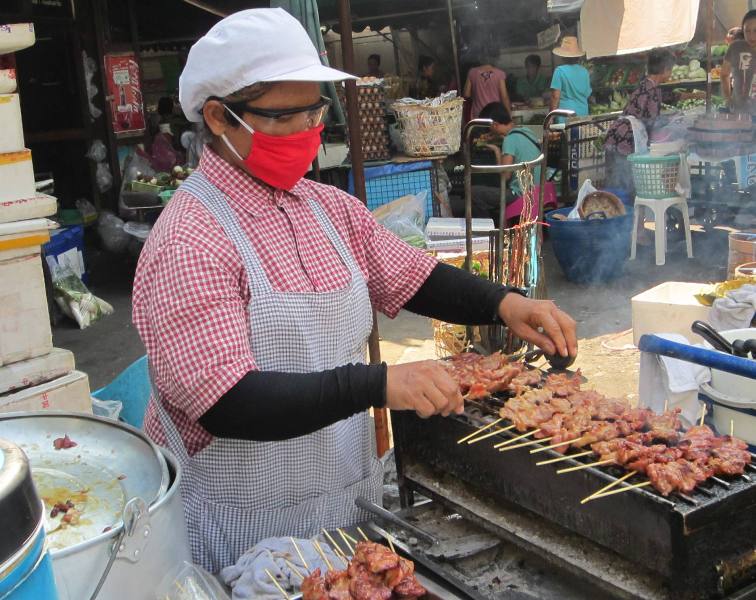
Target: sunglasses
[(314, 113)]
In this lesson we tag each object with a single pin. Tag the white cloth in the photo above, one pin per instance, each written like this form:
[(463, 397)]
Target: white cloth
[(683, 186), (736, 310), (640, 133), (665, 380), (613, 27), (585, 189), (249, 581), (250, 46)]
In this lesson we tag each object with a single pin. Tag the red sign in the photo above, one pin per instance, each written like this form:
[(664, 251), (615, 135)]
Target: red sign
[(125, 94)]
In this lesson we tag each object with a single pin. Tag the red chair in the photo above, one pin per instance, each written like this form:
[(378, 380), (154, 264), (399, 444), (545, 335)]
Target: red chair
[(514, 209)]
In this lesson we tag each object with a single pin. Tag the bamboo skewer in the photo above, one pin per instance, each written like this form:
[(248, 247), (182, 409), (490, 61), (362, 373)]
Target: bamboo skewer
[(496, 431), (479, 430), (633, 486), (565, 457), (536, 450), (349, 537), (524, 444), (390, 541), (732, 428), (293, 567), (703, 414), (581, 467), (362, 533), (336, 548), (275, 582), (608, 487), (346, 541), (514, 439), (316, 544), (301, 556)]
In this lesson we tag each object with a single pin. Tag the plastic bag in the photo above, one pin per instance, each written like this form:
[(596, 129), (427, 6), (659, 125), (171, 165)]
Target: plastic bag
[(75, 300), (97, 151), (164, 157), (190, 582), (585, 189), (110, 409), (104, 177), (112, 235), (405, 218)]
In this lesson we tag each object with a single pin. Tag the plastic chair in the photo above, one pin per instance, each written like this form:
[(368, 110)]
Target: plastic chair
[(132, 388), (659, 209)]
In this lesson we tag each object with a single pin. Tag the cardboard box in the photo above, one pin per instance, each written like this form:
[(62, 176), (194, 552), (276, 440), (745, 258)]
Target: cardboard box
[(24, 318), (12, 139), (670, 307), (68, 393), (34, 371), (38, 205), (16, 176)]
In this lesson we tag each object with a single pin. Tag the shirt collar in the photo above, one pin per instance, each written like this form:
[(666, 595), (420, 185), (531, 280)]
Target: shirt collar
[(243, 190)]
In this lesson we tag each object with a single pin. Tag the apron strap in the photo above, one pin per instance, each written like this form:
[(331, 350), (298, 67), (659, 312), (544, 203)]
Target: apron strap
[(172, 435), (215, 202), (336, 240)]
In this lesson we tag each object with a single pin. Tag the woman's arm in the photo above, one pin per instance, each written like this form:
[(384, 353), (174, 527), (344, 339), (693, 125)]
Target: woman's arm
[(506, 159), (555, 96), (725, 79), (467, 92), (504, 95)]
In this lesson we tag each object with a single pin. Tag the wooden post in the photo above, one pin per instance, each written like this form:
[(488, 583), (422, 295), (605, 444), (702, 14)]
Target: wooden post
[(709, 40), (358, 171), (455, 56)]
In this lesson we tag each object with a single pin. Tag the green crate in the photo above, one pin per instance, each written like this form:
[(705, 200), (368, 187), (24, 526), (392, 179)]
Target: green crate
[(655, 177)]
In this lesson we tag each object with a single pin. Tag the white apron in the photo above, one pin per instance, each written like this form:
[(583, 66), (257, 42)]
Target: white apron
[(237, 492)]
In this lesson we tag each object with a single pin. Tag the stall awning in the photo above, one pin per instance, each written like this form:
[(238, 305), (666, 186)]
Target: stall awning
[(612, 27)]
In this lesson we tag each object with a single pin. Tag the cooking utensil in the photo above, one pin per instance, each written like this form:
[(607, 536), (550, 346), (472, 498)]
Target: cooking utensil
[(712, 336), (389, 517), (744, 348)]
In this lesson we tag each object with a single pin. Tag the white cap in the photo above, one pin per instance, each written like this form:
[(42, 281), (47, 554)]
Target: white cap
[(250, 46)]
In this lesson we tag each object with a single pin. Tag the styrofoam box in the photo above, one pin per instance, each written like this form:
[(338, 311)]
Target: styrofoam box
[(454, 228), (34, 371), (670, 307), (24, 319), (39, 205), (7, 81), (16, 36), (68, 393), (12, 138), (16, 176)]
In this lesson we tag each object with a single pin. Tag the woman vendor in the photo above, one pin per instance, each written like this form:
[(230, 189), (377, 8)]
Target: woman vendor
[(640, 115), (739, 69), (254, 295), (571, 82)]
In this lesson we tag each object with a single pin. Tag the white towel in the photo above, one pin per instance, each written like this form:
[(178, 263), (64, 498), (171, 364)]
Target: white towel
[(735, 310), (673, 382), (249, 581)]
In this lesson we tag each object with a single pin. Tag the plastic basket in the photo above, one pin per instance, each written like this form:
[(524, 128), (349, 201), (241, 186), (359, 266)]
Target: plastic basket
[(655, 177), (63, 240), (430, 130), (386, 183)]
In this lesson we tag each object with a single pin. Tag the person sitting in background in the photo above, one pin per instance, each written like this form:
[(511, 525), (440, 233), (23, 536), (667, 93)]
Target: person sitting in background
[(571, 82), (425, 86), (739, 69), (486, 84), (642, 110), (534, 84), (733, 35), (374, 66)]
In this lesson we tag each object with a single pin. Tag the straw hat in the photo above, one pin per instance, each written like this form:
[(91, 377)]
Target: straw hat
[(569, 48)]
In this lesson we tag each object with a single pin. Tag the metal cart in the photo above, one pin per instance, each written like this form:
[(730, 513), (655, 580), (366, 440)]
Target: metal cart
[(502, 239)]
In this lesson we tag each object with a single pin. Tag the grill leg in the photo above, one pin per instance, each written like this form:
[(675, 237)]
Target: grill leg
[(639, 210)]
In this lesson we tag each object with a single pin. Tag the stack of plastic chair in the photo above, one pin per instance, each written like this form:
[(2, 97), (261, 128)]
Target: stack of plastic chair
[(655, 179)]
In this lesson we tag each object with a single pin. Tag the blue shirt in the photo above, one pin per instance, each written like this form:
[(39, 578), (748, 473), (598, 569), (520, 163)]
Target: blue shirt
[(574, 84), (522, 144)]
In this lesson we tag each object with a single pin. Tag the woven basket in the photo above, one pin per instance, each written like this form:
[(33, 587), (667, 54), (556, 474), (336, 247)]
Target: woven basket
[(430, 130), (450, 339), (655, 177)]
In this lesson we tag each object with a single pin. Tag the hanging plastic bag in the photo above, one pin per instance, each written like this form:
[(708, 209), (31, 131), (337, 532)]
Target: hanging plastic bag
[(75, 300), (97, 151), (405, 218)]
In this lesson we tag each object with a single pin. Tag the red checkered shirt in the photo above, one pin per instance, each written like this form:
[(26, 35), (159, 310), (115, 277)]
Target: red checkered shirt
[(191, 290)]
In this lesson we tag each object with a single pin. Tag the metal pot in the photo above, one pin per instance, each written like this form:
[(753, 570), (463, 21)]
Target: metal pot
[(155, 546)]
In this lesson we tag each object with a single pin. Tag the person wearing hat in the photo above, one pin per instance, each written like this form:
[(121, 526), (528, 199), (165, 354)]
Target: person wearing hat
[(571, 82), (254, 297)]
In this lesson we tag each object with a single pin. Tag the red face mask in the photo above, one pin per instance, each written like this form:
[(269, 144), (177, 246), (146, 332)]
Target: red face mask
[(279, 160)]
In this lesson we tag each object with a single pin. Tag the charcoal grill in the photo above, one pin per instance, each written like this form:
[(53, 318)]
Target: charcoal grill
[(700, 545)]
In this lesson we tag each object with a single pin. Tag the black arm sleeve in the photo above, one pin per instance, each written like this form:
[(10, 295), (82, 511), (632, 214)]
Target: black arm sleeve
[(267, 405), (456, 296)]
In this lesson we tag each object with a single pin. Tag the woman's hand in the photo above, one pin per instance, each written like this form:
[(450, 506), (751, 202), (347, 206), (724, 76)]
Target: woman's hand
[(526, 318), (425, 387)]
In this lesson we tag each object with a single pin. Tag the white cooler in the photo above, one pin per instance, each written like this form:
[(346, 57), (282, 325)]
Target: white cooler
[(38, 205), (34, 371), (24, 319), (670, 307), (16, 176), (12, 138), (68, 393)]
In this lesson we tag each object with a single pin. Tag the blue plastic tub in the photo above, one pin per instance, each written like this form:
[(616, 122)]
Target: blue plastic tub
[(63, 240), (592, 251), (30, 575), (622, 194)]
